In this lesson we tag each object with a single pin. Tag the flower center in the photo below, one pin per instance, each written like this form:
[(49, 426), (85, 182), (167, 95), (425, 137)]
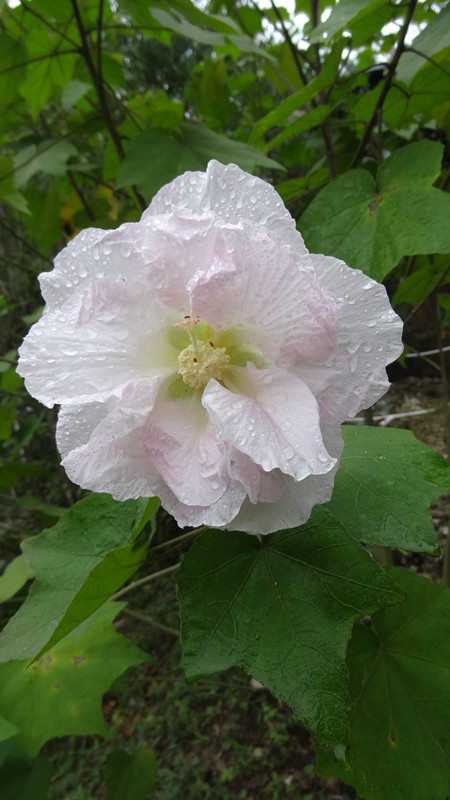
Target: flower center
[(201, 361)]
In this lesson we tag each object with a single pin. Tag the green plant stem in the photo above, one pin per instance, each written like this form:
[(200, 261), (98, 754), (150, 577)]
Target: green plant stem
[(142, 581), (178, 539), (386, 85), (130, 612)]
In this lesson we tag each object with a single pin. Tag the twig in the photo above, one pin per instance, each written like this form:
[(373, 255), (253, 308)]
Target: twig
[(386, 85), (292, 47), (183, 538), (150, 621), (25, 242), (142, 581), (81, 195), (427, 58)]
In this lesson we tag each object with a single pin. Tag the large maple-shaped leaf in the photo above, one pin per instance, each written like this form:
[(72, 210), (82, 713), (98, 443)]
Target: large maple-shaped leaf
[(370, 224), (61, 693), (282, 608), (384, 486), (400, 685), (79, 563)]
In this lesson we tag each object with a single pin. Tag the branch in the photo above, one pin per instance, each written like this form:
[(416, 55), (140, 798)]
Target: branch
[(144, 580), (25, 242), (101, 94), (427, 58), (291, 45), (387, 84), (150, 621)]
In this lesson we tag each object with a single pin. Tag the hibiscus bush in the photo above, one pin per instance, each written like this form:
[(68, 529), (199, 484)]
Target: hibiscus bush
[(223, 188)]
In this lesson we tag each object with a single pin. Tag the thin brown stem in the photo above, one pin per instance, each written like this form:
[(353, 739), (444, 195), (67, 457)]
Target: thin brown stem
[(99, 87), (325, 126), (290, 43), (30, 10), (37, 58), (427, 58), (386, 85), (81, 196), (25, 242)]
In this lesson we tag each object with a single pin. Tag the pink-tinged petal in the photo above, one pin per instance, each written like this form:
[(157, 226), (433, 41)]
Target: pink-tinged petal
[(217, 515), (110, 456), (278, 426), (297, 500), (104, 336), (182, 444), (94, 255), (232, 195), (281, 307), (369, 338), (178, 249), (260, 486)]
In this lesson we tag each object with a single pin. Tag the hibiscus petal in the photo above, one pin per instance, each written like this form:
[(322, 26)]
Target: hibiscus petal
[(93, 255), (111, 457), (281, 308), (278, 429), (298, 499), (260, 486), (185, 451), (233, 195), (369, 338), (104, 336)]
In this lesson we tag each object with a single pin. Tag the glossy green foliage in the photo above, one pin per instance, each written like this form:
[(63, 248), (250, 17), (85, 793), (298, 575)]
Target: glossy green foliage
[(64, 687), (400, 685), (282, 609)]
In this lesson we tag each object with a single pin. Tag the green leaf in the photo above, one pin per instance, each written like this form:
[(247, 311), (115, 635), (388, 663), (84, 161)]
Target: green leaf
[(13, 57), (384, 486), (61, 693), (131, 775), (417, 286), (8, 193), (49, 156), (280, 114), (296, 187), (371, 225), (16, 574), (157, 156), (7, 730), (433, 38), (400, 686), (79, 563), (42, 76), (25, 780), (305, 122), (357, 12), (282, 609)]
